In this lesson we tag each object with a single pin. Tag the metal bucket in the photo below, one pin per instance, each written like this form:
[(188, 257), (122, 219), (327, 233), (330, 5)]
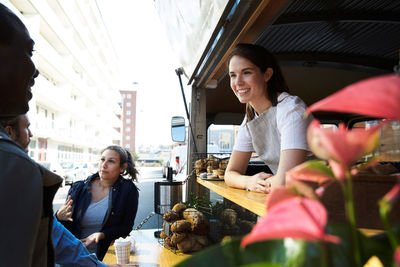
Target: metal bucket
[(166, 195)]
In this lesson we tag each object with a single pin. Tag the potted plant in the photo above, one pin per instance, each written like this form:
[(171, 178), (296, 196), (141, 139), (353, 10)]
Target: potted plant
[(295, 231)]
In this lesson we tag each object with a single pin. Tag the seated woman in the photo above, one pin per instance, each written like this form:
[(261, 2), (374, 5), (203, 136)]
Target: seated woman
[(103, 207), (274, 126)]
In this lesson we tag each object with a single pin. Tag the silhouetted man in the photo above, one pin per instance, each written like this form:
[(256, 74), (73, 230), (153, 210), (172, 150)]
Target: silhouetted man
[(25, 196)]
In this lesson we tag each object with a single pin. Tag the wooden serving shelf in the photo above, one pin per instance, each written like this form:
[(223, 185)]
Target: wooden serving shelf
[(254, 202)]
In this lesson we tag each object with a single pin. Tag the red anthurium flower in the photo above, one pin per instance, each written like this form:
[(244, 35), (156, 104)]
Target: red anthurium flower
[(342, 145), (338, 169), (397, 256), (295, 217), (377, 97), (393, 194), (277, 195), (294, 189)]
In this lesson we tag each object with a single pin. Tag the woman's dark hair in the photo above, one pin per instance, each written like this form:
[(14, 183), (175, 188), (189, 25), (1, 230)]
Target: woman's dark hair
[(263, 59), (125, 157)]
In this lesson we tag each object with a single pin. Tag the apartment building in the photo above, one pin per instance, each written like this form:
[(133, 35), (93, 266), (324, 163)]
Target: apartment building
[(75, 110), (129, 119)]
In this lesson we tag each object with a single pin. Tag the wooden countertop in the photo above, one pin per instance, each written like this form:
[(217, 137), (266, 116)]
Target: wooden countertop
[(148, 251), (254, 202)]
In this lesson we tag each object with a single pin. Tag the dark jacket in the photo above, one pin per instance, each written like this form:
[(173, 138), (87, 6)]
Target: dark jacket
[(26, 201), (44, 250), (120, 216)]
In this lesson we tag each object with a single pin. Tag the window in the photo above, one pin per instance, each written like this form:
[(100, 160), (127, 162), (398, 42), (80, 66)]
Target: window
[(128, 112), (389, 139), (225, 140), (128, 121), (42, 143), (128, 104), (52, 119), (127, 137), (127, 146), (128, 129), (32, 149), (128, 96)]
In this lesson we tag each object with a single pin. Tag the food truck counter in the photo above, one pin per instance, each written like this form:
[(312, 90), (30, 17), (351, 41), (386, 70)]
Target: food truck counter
[(148, 251), (254, 202)]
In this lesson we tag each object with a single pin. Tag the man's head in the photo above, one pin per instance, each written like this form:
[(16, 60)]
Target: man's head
[(18, 130), (17, 70)]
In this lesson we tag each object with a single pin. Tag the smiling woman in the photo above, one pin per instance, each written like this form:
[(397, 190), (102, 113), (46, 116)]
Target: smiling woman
[(274, 126)]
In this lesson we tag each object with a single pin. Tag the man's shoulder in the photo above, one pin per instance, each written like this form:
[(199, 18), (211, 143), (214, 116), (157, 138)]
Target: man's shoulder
[(8, 148)]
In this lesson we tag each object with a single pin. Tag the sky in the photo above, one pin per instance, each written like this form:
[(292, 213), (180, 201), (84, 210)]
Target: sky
[(145, 58)]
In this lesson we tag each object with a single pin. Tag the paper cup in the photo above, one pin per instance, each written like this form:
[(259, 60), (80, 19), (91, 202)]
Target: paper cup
[(122, 250), (133, 244)]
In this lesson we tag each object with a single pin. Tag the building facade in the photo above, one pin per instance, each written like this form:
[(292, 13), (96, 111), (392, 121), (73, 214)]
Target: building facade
[(75, 109), (129, 119)]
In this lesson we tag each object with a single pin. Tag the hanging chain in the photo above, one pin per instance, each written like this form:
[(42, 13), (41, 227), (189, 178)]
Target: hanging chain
[(145, 220)]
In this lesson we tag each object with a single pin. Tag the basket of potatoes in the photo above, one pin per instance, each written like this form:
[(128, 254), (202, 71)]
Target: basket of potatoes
[(185, 229)]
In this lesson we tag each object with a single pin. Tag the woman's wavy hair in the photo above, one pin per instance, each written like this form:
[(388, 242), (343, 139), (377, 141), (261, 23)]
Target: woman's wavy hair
[(263, 59), (125, 157)]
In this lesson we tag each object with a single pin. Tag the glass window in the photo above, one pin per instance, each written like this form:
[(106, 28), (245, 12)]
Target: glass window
[(389, 143), (128, 129), (128, 112), (128, 120), (128, 104), (127, 137), (128, 96)]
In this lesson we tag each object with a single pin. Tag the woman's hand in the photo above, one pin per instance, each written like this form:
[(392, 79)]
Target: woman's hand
[(259, 182), (95, 237), (65, 213)]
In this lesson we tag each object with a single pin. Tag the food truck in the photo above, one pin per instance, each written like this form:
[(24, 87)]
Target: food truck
[(321, 46)]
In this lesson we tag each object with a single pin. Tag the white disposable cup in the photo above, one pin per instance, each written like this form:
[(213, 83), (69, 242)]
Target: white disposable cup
[(122, 250), (133, 244)]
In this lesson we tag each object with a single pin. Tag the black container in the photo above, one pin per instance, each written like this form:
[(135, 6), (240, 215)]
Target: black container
[(166, 195)]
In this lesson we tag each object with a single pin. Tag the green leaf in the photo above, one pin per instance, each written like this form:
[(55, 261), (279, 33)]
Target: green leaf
[(222, 254), (321, 167), (262, 264), (294, 253), (379, 245)]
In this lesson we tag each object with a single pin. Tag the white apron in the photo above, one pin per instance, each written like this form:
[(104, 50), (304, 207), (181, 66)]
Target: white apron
[(266, 138)]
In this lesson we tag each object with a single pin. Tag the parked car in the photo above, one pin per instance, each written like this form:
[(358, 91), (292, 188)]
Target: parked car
[(78, 171)]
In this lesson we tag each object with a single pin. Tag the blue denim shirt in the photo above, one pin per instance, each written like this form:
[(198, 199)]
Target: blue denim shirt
[(69, 250)]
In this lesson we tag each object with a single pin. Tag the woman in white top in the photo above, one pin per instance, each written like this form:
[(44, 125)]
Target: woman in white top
[(274, 126)]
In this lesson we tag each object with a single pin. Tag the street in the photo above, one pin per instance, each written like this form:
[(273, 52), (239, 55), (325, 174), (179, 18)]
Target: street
[(147, 177)]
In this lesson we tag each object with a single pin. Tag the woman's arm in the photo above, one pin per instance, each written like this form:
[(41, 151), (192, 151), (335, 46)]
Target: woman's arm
[(234, 174), (288, 159)]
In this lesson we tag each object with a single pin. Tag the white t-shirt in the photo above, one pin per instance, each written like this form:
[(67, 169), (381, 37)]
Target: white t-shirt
[(291, 125)]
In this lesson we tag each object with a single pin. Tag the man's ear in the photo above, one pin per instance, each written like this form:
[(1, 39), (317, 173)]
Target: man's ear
[(10, 132), (268, 74)]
